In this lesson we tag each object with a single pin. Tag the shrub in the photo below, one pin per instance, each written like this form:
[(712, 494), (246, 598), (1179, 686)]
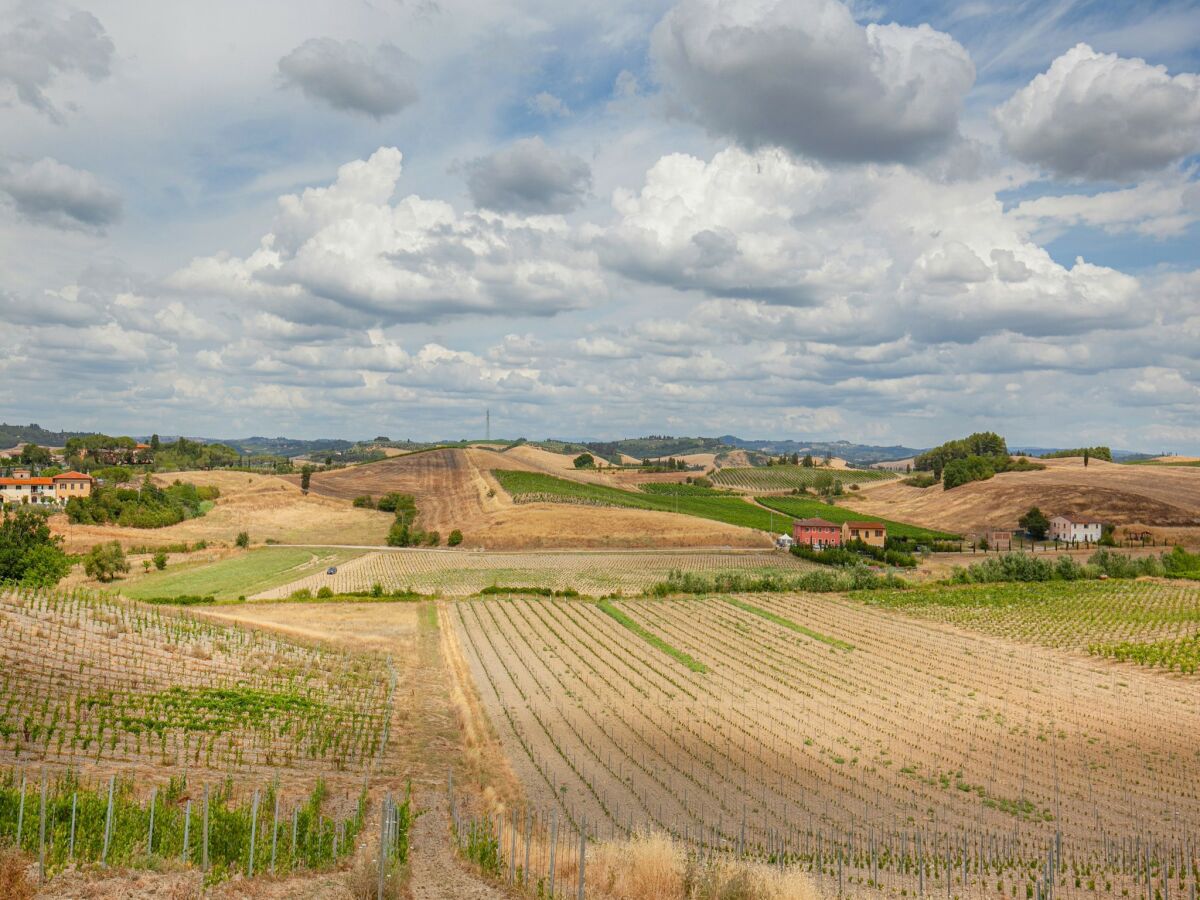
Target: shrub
[(1117, 565), (104, 562), (301, 594), (160, 560), (455, 538), (243, 539), (364, 502), (395, 502), (325, 592), (433, 538), (585, 461)]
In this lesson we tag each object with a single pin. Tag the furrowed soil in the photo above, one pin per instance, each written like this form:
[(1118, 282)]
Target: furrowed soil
[(1161, 499), (454, 490), (268, 507), (827, 714)]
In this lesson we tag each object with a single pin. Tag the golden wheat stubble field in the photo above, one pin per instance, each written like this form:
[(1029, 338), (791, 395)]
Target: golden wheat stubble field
[(872, 728)]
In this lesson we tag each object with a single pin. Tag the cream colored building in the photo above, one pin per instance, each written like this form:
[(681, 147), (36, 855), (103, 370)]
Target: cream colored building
[(26, 488)]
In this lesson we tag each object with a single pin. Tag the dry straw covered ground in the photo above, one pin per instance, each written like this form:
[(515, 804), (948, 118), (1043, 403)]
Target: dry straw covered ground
[(265, 506), (1162, 498)]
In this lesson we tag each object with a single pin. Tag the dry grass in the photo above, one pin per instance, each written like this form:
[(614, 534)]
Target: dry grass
[(1151, 496), (651, 865), (14, 877), (266, 506)]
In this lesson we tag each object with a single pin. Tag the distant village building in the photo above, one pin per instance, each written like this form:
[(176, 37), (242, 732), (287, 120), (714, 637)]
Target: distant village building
[(1075, 531), (816, 533), (26, 488), (873, 533)]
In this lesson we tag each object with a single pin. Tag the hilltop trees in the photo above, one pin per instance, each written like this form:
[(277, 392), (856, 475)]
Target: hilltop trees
[(976, 457)]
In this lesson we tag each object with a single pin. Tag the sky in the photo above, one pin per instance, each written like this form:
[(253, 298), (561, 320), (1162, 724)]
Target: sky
[(890, 223)]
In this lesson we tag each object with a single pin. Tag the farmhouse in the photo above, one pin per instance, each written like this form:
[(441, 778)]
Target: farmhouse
[(873, 533), (816, 533), (1074, 531), (26, 488)]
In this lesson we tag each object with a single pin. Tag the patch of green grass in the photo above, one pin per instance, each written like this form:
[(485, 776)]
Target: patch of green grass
[(534, 487), (651, 638), (242, 575), (808, 508), (788, 623)]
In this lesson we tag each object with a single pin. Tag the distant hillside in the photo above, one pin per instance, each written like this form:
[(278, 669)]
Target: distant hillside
[(282, 446), (655, 446), (856, 454), (11, 435), (1042, 451)]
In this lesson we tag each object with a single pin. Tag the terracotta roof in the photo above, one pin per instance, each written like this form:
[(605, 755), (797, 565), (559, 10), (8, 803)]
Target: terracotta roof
[(816, 522), (45, 482), (75, 476), (863, 524)]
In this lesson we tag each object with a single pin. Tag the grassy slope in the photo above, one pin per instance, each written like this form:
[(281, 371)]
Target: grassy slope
[(536, 486), (241, 575), (805, 508)]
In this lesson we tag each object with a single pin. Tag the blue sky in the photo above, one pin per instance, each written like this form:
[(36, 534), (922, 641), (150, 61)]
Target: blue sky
[(893, 223)]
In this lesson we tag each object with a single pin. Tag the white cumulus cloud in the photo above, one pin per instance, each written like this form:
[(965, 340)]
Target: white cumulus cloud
[(1101, 116)]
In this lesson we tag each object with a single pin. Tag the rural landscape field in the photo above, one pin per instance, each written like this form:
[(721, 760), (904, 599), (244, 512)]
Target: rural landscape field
[(671, 450), (425, 680)]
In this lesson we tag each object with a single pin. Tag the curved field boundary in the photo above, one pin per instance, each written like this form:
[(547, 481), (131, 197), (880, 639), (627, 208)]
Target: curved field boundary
[(535, 487)]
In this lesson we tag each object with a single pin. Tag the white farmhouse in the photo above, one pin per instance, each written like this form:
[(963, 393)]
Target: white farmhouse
[(1074, 530)]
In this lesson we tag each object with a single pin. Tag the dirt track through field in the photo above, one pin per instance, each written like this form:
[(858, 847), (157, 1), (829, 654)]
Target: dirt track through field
[(427, 740)]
